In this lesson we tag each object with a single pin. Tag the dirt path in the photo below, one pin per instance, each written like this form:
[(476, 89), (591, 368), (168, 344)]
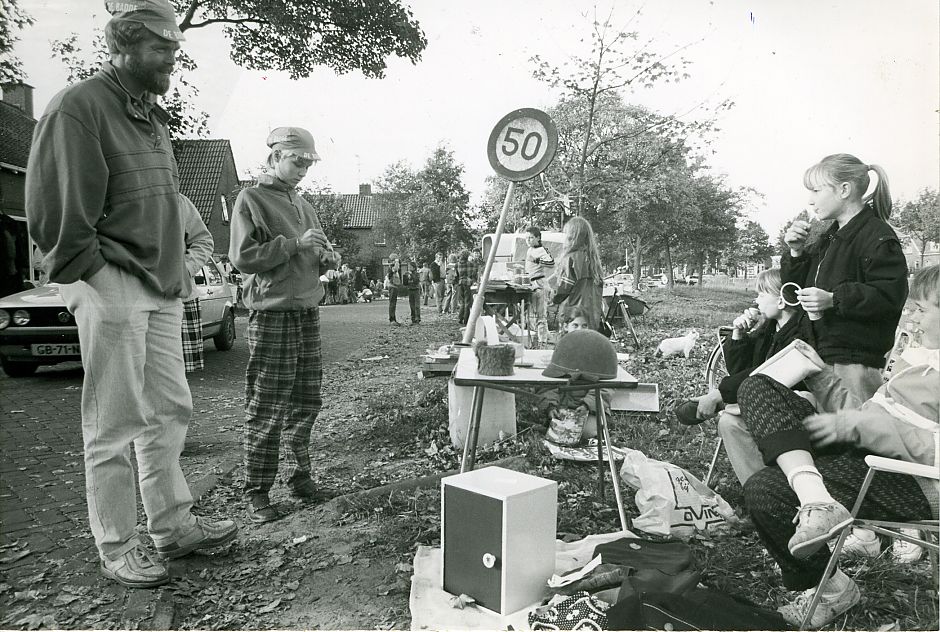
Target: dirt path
[(318, 568)]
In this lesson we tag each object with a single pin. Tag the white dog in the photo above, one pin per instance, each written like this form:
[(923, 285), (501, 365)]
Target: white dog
[(674, 346)]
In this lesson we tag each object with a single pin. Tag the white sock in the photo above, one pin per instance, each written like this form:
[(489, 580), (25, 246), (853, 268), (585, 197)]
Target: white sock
[(836, 584), (807, 483)]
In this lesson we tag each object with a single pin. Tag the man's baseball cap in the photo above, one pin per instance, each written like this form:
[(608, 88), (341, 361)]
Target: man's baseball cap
[(295, 140), (156, 15)]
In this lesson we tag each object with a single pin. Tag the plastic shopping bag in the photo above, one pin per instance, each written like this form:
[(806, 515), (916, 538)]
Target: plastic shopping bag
[(672, 501)]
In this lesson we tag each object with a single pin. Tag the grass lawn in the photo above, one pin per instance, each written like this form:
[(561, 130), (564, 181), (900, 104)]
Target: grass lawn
[(412, 420)]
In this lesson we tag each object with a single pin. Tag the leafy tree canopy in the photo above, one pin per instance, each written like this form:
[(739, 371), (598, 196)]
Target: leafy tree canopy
[(920, 218), (426, 211), (12, 19), (296, 36)]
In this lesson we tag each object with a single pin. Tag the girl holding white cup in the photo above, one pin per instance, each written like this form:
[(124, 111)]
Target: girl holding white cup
[(854, 277)]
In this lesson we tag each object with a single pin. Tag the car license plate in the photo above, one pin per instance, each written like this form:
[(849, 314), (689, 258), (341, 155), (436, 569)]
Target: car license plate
[(59, 349)]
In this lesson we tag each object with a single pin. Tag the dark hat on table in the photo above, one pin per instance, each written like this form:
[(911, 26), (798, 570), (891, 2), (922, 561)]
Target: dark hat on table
[(156, 15), (583, 355)]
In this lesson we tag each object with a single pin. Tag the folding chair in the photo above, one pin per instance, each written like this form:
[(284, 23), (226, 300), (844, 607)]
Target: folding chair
[(892, 529)]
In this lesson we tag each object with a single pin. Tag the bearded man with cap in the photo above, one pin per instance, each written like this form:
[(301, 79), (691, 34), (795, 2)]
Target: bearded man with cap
[(102, 204), (278, 241)]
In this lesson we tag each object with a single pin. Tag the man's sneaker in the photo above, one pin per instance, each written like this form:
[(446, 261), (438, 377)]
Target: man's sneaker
[(135, 569), (907, 552), (816, 524), (205, 535), (863, 543), (831, 605)]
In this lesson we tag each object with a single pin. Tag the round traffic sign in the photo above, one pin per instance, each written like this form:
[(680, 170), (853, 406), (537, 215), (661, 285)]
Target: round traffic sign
[(522, 144)]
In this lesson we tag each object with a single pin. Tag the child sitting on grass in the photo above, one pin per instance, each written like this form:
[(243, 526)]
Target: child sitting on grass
[(572, 414)]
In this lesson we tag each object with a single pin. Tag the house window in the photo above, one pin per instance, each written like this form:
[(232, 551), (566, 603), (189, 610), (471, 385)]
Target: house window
[(379, 240), (224, 209)]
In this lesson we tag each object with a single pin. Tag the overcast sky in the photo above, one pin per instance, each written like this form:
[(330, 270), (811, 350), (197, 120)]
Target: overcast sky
[(808, 77)]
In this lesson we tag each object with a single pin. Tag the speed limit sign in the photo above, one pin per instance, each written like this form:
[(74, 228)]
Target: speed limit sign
[(522, 144)]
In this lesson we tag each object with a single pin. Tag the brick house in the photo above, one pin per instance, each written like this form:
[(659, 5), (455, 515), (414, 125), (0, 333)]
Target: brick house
[(16, 133), (208, 177), (362, 211)]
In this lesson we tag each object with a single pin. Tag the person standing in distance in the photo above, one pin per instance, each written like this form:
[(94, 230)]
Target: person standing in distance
[(539, 265), (102, 202), (437, 281), (278, 241)]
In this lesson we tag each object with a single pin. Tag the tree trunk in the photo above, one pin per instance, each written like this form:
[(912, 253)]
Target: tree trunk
[(670, 277), (637, 262)]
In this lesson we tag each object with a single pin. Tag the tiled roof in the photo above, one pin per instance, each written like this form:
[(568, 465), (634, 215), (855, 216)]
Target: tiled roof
[(362, 211), (200, 163), (16, 134)]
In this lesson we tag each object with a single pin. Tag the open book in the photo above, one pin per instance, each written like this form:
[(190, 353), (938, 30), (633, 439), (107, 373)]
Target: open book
[(790, 365)]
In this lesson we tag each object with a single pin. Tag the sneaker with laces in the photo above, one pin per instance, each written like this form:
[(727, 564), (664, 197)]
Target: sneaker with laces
[(135, 569), (816, 524), (206, 534), (863, 543), (907, 552), (832, 604)]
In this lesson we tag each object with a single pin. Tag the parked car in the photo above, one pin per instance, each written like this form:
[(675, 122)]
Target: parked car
[(37, 329)]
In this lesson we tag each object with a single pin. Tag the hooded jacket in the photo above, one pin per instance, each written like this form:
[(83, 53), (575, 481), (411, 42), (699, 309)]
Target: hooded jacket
[(102, 185), (267, 222)]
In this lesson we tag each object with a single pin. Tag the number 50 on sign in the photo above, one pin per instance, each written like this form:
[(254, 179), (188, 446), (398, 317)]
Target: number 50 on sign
[(522, 144)]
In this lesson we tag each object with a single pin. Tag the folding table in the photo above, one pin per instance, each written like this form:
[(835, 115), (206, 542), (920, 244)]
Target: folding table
[(521, 382)]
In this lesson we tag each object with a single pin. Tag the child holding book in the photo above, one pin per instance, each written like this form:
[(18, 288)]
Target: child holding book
[(756, 335)]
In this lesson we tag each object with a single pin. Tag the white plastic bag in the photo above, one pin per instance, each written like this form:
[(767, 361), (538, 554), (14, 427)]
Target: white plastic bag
[(672, 501)]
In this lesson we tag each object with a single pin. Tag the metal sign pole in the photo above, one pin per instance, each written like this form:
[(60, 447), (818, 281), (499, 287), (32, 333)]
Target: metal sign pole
[(490, 257), (520, 147)]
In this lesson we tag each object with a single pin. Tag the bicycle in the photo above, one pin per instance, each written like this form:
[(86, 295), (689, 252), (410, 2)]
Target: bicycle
[(715, 368)]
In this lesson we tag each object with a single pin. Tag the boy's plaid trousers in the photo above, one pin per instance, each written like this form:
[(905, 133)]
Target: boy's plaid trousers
[(282, 394)]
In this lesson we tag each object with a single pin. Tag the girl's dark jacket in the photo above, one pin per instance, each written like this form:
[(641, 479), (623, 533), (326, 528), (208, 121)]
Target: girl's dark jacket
[(744, 355), (862, 264)]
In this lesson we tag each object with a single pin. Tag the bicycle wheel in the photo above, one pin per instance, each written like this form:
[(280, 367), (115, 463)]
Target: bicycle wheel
[(715, 369)]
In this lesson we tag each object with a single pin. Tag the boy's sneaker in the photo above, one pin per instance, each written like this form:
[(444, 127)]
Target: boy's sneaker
[(135, 569), (863, 543), (816, 524), (834, 602), (260, 509), (907, 552), (206, 534), (687, 413), (306, 490)]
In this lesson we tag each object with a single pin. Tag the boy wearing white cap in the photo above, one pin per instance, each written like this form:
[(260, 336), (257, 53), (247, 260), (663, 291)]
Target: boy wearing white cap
[(277, 241)]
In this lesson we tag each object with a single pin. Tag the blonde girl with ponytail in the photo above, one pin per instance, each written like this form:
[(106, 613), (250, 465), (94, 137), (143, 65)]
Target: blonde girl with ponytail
[(854, 278)]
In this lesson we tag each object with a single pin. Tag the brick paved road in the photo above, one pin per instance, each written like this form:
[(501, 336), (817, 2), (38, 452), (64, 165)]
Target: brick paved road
[(42, 500)]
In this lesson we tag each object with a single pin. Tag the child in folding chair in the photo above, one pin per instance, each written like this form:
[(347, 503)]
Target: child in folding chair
[(754, 338), (816, 461)]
